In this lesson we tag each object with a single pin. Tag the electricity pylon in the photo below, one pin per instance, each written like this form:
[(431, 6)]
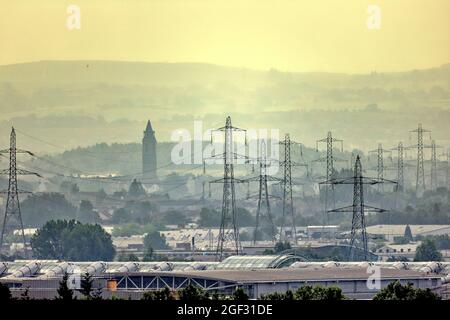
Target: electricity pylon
[(380, 163), (12, 210), (446, 156), (400, 166), (229, 229), (263, 194), (420, 174), (359, 208), (329, 159), (434, 160), (288, 204)]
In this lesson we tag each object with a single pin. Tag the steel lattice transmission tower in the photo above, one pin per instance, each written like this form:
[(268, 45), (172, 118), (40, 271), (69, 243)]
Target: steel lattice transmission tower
[(288, 204), (420, 174), (330, 159), (229, 230), (380, 163), (12, 210), (400, 166), (446, 156), (434, 169), (263, 194), (358, 208)]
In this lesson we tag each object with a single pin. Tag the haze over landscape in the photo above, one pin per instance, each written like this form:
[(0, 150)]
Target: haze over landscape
[(113, 187), (297, 66), (106, 101)]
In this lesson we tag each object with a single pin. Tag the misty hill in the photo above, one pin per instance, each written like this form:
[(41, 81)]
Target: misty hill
[(107, 85), (81, 103)]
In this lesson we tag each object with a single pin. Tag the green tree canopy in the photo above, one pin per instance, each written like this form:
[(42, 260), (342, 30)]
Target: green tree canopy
[(155, 241), (427, 251), (64, 292), (164, 294), (72, 240), (396, 291), (209, 218), (37, 209), (308, 293), (193, 293), (134, 211), (408, 234), (86, 213)]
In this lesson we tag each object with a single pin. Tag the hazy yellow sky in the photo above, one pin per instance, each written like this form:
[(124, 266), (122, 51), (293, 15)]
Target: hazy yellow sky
[(291, 35)]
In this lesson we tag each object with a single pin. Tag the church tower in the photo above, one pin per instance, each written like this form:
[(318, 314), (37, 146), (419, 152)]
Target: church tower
[(149, 153)]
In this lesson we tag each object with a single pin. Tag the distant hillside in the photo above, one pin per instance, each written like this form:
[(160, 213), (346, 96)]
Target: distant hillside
[(81, 103)]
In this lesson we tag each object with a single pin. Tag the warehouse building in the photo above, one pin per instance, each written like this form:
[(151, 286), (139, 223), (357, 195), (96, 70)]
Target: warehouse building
[(258, 275)]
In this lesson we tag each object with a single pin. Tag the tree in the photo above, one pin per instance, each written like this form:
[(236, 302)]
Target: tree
[(319, 293), (134, 211), (281, 246), (5, 293), (308, 293), (64, 292), (164, 294), (87, 242), (86, 285), (72, 240), (289, 296), (193, 293), (155, 240), (37, 209), (408, 234), (427, 251), (174, 217), (240, 295), (128, 257), (396, 291), (244, 218), (25, 295), (48, 241), (209, 218), (86, 213), (136, 189), (148, 256)]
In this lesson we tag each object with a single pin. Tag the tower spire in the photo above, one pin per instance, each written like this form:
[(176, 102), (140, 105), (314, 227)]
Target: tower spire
[(149, 154)]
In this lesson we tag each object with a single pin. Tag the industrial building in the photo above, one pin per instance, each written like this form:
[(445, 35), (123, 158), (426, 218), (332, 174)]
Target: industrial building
[(391, 231), (258, 275)]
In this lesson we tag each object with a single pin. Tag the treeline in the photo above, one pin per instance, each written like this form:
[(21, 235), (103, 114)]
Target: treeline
[(394, 291)]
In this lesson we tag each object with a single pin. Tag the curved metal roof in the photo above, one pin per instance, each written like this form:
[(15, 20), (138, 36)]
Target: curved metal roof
[(257, 262)]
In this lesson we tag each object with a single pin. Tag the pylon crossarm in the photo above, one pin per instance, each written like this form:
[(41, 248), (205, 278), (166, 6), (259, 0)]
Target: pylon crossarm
[(296, 164), (18, 191), (270, 196), (370, 209), (25, 151), (228, 128), (364, 180), (330, 139), (367, 209), (26, 172), (349, 180), (17, 151), (226, 180)]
